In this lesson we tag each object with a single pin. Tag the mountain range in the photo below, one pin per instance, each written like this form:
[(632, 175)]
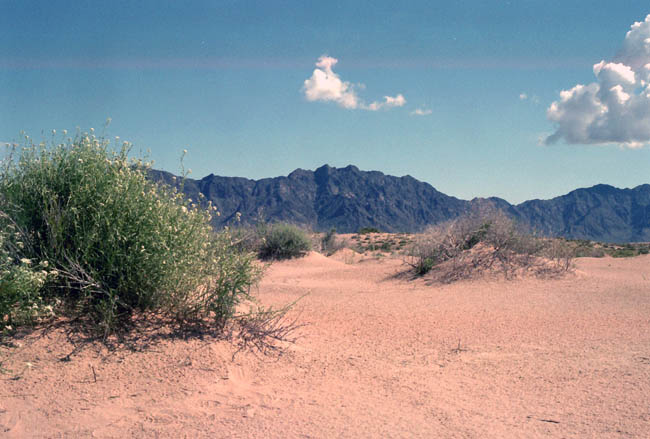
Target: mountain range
[(348, 199)]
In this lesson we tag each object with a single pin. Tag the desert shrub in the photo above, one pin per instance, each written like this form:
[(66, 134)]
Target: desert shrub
[(385, 246), (423, 265), (330, 243), (284, 241), (624, 252), (118, 242), (584, 248), (480, 243)]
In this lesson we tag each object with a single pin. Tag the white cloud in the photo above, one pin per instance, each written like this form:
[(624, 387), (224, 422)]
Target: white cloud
[(421, 112), (525, 97), (389, 101), (615, 108), (325, 85)]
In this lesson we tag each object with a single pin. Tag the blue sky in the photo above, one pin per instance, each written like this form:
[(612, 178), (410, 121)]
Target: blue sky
[(226, 81)]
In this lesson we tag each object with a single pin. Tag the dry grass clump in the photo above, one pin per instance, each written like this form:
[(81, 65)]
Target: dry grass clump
[(330, 243), (481, 244)]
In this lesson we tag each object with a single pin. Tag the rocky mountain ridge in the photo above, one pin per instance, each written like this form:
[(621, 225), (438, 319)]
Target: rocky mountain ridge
[(348, 199)]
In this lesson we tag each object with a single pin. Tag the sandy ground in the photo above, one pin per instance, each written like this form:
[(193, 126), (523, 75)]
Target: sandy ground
[(381, 356)]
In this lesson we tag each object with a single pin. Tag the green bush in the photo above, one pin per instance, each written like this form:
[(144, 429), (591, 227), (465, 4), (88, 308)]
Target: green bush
[(118, 242), (367, 230), (423, 266), (284, 241), (624, 253)]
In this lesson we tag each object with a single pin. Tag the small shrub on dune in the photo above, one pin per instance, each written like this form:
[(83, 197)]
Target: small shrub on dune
[(284, 241), (482, 243), (114, 242), (330, 244)]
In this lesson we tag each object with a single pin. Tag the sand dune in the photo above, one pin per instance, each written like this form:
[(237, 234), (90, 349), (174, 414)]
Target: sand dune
[(381, 356)]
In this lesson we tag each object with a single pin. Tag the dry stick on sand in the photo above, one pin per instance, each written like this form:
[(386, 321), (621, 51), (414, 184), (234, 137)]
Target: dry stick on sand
[(264, 331)]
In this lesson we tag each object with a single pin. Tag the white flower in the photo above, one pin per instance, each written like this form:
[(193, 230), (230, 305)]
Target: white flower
[(26, 261)]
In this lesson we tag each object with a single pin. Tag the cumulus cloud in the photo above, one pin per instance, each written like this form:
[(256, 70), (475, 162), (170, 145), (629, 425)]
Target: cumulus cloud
[(616, 107), (421, 112), (326, 85)]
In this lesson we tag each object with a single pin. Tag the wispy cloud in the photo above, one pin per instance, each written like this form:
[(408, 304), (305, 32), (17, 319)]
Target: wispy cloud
[(327, 86), (615, 108), (526, 97), (421, 112), (389, 102)]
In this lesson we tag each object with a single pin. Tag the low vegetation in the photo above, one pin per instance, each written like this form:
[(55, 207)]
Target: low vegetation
[(84, 234), (585, 248), (283, 241), (485, 243), (381, 242), (367, 230), (330, 243)]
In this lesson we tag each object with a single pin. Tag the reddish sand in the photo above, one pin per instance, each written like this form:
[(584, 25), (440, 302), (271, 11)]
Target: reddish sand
[(382, 356)]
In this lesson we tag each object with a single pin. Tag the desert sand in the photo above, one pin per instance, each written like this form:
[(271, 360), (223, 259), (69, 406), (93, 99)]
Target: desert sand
[(381, 355)]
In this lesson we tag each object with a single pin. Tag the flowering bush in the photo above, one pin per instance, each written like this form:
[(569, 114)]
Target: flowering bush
[(21, 284), (119, 242)]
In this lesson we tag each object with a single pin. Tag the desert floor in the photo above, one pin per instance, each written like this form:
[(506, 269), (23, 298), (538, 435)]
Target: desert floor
[(381, 356)]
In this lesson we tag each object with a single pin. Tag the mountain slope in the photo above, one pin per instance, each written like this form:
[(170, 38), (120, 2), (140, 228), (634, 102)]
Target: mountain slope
[(601, 212), (348, 199)]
